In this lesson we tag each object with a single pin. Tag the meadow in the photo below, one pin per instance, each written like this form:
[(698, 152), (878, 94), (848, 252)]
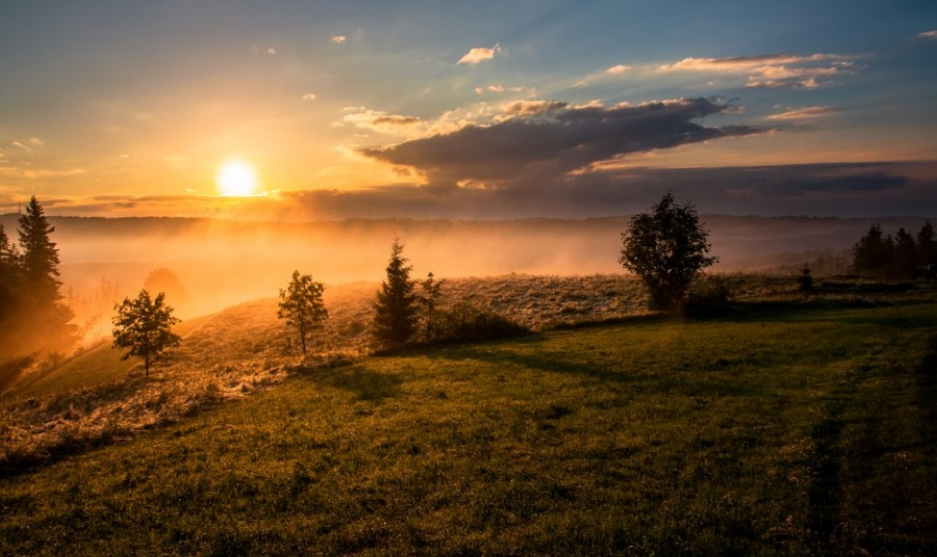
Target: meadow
[(783, 425)]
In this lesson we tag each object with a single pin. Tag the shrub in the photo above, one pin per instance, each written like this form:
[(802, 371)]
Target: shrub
[(464, 322), (707, 294)]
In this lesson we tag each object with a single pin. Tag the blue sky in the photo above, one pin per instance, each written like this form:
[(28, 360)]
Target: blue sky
[(469, 110)]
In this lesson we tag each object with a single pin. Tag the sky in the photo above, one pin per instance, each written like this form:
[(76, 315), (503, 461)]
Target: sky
[(311, 110)]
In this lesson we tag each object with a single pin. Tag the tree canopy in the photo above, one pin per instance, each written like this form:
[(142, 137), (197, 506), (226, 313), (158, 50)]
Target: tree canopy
[(144, 325), (667, 249), (302, 306)]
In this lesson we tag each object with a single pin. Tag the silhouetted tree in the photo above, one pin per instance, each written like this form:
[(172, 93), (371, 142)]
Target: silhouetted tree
[(432, 291), (667, 249), (144, 325), (873, 254), (926, 245), (9, 281), (40, 258), (395, 311), (905, 257), (302, 306)]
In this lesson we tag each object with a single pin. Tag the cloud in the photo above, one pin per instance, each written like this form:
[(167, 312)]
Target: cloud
[(271, 51), (532, 108), (804, 113), (339, 39), (477, 55), (616, 70), (309, 97), (533, 142), (22, 146), (932, 35), (394, 120), (771, 70), (383, 122)]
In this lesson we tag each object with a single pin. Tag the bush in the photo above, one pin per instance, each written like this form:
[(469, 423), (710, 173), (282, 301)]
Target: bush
[(464, 322), (708, 294)]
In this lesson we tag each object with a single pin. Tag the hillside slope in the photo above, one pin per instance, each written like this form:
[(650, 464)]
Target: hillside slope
[(780, 430)]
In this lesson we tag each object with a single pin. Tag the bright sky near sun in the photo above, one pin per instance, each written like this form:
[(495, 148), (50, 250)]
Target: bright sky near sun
[(475, 109)]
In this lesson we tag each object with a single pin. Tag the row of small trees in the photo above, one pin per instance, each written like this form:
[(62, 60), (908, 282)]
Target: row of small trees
[(666, 248), (898, 257)]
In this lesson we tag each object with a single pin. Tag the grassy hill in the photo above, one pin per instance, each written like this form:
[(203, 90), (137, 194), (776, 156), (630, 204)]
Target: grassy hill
[(775, 429)]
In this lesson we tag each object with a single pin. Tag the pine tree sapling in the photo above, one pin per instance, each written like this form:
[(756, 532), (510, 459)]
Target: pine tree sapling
[(395, 311), (144, 325), (302, 306), (667, 249)]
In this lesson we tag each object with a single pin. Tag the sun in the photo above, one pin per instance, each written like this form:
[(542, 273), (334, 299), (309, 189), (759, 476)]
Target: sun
[(236, 178)]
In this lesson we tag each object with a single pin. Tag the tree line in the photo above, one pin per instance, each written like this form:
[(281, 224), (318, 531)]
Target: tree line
[(902, 256)]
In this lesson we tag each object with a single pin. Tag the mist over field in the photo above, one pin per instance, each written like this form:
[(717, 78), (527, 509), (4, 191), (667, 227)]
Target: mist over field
[(222, 262)]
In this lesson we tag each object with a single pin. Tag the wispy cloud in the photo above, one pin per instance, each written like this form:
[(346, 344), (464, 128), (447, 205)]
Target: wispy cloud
[(478, 55), (804, 113), (619, 69), (932, 35), (309, 97), (271, 50), (383, 122), (339, 39), (771, 70)]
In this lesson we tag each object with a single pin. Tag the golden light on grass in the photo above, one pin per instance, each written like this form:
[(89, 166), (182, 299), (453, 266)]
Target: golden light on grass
[(236, 179)]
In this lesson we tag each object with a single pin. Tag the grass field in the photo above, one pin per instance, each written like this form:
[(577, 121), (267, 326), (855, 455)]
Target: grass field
[(771, 430)]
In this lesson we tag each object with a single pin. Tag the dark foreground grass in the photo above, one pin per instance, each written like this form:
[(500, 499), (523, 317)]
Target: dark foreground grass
[(802, 432)]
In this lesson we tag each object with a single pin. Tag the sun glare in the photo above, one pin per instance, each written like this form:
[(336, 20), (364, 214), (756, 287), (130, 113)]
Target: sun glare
[(236, 178)]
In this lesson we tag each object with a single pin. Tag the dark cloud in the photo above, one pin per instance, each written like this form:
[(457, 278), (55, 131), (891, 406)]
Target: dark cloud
[(396, 120), (545, 141)]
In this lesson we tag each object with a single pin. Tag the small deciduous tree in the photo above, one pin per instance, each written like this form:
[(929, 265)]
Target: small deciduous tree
[(395, 311), (667, 249), (144, 325), (302, 306), (432, 291)]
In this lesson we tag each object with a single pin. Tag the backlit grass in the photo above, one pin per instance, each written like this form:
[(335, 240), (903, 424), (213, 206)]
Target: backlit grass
[(799, 431)]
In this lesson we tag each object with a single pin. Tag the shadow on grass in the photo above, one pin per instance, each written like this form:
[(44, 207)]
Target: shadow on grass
[(363, 383)]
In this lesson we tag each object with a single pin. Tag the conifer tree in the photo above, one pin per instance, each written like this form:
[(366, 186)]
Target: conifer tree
[(395, 311), (927, 245), (40, 258)]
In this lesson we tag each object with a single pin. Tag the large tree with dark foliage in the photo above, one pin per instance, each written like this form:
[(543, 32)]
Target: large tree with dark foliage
[(395, 311), (32, 315), (904, 260), (927, 245), (873, 254), (144, 325), (667, 249), (40, 259)]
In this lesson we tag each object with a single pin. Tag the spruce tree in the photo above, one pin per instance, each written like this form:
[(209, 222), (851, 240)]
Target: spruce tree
[(395, 311), (927, 245), (40, 259)]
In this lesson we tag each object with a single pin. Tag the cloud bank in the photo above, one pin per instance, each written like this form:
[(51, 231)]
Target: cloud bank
[(534, 142)]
